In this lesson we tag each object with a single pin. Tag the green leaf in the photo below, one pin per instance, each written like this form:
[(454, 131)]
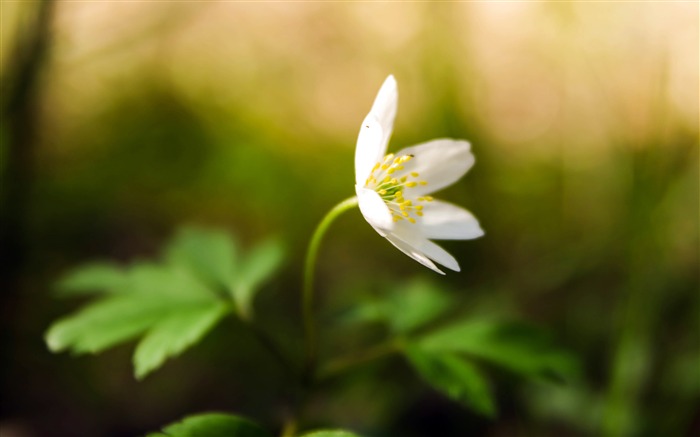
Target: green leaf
[(172, 335), (414, 305), (169, 282), (104, 324), (519, 348), (330, 433), (167, 304), (213, 425), (259, 264), (209, 254), (455, 377), (406, 308), (172, 304), (92, 278)]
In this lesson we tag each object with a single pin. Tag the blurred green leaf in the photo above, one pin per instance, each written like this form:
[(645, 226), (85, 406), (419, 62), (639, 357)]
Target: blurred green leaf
[(104, 324), (92, 278), (169, 304), (171, 335), (210, 254), (406, 308), (257, 266), (415, 305), (453, 376), (173, 304), (519, 348), (330, 433), (212, 425)]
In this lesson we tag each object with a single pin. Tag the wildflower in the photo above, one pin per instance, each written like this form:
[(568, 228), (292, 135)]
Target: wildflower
[(393, 190)]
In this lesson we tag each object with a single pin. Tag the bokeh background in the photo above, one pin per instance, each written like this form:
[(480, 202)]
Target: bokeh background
[(124, 120)]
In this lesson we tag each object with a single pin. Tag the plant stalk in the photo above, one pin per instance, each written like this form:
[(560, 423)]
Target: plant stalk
[(308, 282)]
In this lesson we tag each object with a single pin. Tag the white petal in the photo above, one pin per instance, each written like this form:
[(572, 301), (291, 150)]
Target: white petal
[(368, 150), (376, 130), (445, 221), (374, 210), (438, 162), (413, 253), (409, 234), (440, 255)]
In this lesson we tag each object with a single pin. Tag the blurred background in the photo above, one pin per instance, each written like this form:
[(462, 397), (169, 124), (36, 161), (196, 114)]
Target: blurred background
[(123, 121)]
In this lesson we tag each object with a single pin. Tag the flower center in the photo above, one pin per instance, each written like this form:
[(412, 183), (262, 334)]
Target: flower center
[(390, 179)]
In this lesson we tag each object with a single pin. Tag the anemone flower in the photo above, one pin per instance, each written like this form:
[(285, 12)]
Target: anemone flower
[(393, 190)]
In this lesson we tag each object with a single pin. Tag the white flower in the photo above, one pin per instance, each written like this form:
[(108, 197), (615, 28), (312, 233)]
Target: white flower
[(393, 190)]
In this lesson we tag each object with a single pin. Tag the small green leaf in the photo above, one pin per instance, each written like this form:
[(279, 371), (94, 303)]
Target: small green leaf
[(519, 348), (331, 433), (172, 304), (213, 425), (92, 278), (209, 254), (414, 305), (259, 264), (168, 282), (455, 377), (172, 335), (104, 324), (406, 308)]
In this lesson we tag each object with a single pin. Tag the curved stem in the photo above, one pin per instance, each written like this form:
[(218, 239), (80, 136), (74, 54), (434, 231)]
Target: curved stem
[(340, 365), (308, 284)]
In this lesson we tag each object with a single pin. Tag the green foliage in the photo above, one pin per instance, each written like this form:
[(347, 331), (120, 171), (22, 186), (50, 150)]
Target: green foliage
[(445, 357), (519, 348), (215, 258), (456, 377), (172, 304), (406, 308), (262, 261), (331, 433), (212, 425), (92, 278)]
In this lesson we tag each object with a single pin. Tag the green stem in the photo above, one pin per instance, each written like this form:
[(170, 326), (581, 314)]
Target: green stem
[(308, 284), (346, 362)]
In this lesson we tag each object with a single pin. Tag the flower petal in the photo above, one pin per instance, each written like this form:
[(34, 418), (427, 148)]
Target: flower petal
[(374, 210), (409, 234), (438, 162), (445, 221), (375, 131), (439, 255), (412, 252)]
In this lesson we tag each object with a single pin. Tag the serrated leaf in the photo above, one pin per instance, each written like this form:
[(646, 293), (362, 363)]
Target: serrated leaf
[(152, 299), (331, 433), (213, 425), (104, 324), (169, 282), (415, 305), (406, 308), (92, 278), (172, 335), (209, 254), (517, 347), (173, 304), (455, 377), (256, 267)]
